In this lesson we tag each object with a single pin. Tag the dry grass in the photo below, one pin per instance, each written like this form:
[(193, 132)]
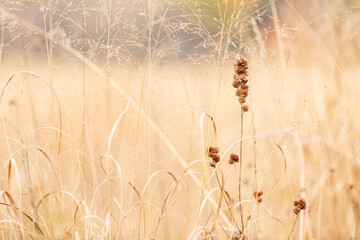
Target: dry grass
[(108, 108)]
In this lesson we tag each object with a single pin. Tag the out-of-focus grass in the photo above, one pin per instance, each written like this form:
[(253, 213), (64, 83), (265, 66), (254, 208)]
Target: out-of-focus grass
[(303, 106)]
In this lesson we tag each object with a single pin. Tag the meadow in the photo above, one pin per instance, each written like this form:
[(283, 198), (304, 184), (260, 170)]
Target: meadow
[(120, 120)]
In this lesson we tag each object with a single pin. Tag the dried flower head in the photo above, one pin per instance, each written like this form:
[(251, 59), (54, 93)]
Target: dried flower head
[(243, 92), (234, 157), (238, 92), (245, 108), (240, 79), (213, 153), (236, 83), (242, 100), (297, 210), (213, 149), (237, 235), (216, 158), (300, 204), (241, 65), (258, 196)]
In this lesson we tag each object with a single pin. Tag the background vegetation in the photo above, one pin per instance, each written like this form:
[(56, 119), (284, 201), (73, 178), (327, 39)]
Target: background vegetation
[(108, 107)]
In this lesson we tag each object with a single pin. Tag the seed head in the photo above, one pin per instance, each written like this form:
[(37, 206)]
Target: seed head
[(245, 108), (234, 157), (241, 64), (300, 204), (244, 92), (237, 235), (240, 79), (242, 100), (216, 158), (213, 149), (297, 210), (211, 155), (236, 83), (243, 80)]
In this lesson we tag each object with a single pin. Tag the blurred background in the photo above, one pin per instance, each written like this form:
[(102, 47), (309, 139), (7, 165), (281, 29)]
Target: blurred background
[(76, 165)]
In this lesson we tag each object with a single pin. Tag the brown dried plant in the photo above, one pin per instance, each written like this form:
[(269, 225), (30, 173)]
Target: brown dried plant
[(242, 91)]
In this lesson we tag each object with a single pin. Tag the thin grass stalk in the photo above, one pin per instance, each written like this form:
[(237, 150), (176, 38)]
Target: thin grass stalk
[(213, 103), (49, 46), (2, 38), (278, 31), (227, 203), (108, 70), (9, 152), (293, 227), (83, 133), (240, 165), (149, 76), (254, 160), (239, 83), (136, 139)]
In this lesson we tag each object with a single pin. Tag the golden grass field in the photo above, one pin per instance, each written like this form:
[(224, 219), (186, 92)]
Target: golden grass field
[(105, 127)]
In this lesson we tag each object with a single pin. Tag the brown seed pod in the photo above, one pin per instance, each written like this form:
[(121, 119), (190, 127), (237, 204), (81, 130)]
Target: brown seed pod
[(240, 71), (234, 157), (245, 108), (237, 235), (300, 203), (216, 158), (211, 155), (241, 63), (244, 92), (213, 149), (297, 210), (242, 100), (244, 79), (240, 79), (236, 83), (244, 86)]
